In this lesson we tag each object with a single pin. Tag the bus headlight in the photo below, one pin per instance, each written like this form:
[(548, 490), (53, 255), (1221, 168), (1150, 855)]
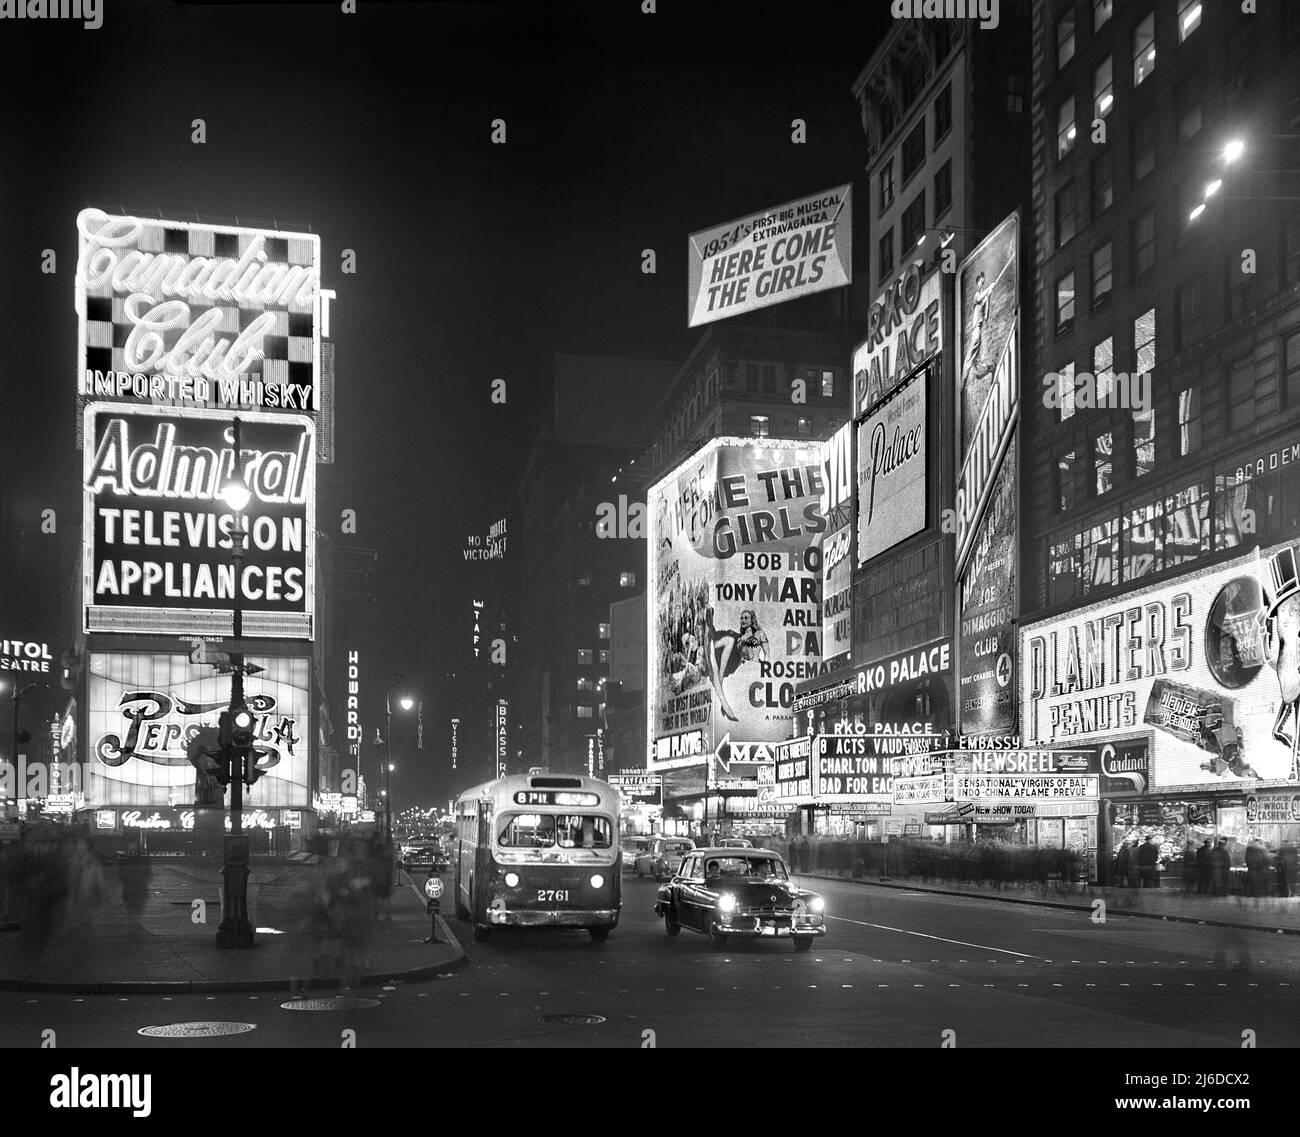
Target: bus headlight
[(726, 903), (512, 880), (597, 881)]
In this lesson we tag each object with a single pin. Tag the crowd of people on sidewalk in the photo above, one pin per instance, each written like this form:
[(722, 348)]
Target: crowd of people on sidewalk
[(341, 908), (53, 885), (1216, 868)]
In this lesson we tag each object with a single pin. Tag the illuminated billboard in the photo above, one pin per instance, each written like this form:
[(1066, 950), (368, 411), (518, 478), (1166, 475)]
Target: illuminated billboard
[(143, 709), (988, 401), (790, 250), (157, 539), (837, 545), (1199, 668), (892, 461), (904, 330), (734, 594), (188, 314)]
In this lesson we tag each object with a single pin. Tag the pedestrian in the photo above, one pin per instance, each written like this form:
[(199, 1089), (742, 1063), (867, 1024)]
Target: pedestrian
[(1258, 864), (1286, 866), (1189, 867), (1222, 865), (135, 876), (1205, 868), (1123, 860), (794, 856), (805, 856), (1148, 863)]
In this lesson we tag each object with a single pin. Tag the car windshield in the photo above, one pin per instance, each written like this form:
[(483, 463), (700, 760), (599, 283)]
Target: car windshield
[(767, 867)]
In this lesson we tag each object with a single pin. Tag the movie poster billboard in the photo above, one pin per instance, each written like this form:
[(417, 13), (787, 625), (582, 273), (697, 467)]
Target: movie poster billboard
[(837, 545), (734, 594), (987, 641), (1202, 669), (157, 539), (988, 402), (783, 253), (190, 315), (143, 709), (892, 460)]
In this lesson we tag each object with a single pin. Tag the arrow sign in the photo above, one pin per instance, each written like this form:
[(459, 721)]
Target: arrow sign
[(722, 752)]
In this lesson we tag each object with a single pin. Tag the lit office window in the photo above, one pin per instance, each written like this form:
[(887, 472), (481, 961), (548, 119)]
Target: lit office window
[(1065, 128), (828, 384), (1065, 39), (1144, 341), (760, 426), (584, 657), (1065, 302), (627, 580), (1103, 89), (602, 631), (1189, 18), (1065, 390), (1144, 48)]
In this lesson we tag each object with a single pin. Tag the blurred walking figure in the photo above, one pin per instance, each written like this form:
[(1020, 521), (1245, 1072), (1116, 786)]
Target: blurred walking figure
[(1286, 866), (1205, 868), (85, 893), (42, 891), (1148, 863), (1221, 860), (1123, 859), (794, 856), (1258, 864), (135, 877), (1189, 866)]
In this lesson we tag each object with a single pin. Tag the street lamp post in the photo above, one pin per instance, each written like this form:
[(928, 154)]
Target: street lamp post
[(16, 698), (395, 682), (234, 930)]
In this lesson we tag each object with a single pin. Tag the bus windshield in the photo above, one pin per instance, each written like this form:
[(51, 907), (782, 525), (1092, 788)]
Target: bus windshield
[(544, 830)]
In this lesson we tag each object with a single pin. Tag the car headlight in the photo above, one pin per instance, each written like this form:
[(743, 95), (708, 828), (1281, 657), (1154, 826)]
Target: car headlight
[(726, 902), (597, 881), (512, 880), (816, 904)]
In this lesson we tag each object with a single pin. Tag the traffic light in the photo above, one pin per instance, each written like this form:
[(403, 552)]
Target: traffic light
[(242, 742)]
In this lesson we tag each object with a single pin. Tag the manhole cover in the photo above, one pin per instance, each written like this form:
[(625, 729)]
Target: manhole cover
[(581, 1020), (196, 1030), (338, 1003)]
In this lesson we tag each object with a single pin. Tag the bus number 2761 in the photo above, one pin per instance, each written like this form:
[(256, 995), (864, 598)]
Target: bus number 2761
[(555, 895)]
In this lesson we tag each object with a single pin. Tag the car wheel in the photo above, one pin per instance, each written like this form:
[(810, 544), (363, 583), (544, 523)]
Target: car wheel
[(598, 935), (802, 943), (482, 933), (716, 938), (671, 926)]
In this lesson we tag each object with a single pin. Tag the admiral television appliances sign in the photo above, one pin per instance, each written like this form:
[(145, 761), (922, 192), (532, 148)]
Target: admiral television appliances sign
[(157, 538)]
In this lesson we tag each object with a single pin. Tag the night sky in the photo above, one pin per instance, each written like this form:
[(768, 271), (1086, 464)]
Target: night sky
[(474, 261)]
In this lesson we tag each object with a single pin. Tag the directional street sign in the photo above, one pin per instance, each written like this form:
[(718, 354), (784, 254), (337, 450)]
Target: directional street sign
[(741, 753)]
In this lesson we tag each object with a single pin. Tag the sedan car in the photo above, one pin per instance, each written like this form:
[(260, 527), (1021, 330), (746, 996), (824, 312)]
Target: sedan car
[(663, 856), (425, 855), (745, 893), (632, 848)]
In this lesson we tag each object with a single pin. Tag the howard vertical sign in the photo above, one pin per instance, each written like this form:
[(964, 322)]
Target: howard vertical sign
[(988, 311)]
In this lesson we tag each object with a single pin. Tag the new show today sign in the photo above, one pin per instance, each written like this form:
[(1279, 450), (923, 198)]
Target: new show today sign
[(157, 539)]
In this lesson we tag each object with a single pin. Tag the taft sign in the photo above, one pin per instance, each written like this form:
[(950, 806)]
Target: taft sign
[(197, 314), (157, 539), (790, 250)]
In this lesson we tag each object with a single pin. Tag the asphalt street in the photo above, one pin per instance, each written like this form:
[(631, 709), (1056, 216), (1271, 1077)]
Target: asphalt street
[(897, 969)]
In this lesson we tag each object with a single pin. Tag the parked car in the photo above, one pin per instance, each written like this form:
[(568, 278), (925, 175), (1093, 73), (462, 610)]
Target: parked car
[(633, 847), (424, 855), (663, 856), (746, 893)]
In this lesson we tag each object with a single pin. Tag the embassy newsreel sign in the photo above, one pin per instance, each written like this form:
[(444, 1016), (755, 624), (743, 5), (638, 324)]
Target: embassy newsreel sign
[(157, 538)]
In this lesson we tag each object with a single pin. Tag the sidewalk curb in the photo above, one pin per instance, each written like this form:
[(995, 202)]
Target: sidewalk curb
[(457, 960), (1059, 904)]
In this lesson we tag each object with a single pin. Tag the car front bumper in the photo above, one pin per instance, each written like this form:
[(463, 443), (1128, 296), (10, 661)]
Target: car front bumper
[(770, 927)]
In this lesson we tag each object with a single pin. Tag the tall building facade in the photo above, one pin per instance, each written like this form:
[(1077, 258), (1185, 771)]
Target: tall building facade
[(1160, 491)]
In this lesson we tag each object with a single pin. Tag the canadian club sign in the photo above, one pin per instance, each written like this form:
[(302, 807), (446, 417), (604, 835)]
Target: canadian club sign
[(158, 540)]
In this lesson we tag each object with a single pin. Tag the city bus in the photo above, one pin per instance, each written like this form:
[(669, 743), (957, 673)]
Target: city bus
[(538, 850)]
